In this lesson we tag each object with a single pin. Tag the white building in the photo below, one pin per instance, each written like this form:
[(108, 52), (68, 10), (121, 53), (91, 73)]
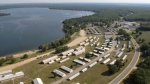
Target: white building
[(64, 60), (74, 76), (67, 52), (112, 62), (20, 83), (37, 81), (66, 69), (5, 72), (49, 59), (119, 54), (124, 57), (79, 52), (107, 55), (106, 61), (10, 76), (59, 73), (79, 62)]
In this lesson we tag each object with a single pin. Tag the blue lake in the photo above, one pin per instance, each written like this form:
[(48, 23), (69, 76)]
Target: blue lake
[(27, 28)]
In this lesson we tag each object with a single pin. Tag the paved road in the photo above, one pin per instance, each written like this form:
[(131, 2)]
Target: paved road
[(132, 64)]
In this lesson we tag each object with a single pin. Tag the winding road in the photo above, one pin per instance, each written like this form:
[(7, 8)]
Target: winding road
[(130, 67)]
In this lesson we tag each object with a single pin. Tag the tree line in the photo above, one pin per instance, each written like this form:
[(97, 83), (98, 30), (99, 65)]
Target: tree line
[(55, 44), (7, 60), (124, 33), (142, 74), (4, 14)]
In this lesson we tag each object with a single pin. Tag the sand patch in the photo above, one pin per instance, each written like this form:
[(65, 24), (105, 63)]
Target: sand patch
[(79, 39)]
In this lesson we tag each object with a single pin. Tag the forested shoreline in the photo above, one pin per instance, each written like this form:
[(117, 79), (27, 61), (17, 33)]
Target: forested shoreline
[(4, 14)]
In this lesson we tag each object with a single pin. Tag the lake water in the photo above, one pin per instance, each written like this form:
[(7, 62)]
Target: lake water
[(27, 28)]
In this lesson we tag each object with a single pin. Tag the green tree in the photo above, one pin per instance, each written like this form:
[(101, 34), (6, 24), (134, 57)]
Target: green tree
[(112, 69), (8, 58), (87, 55), (13, 60), (118, 63), (25, 56), (2, 61), (140, 33), (140, 39), (136, 36), (137, 30), (140, 76), (143, 40), (144, 47)]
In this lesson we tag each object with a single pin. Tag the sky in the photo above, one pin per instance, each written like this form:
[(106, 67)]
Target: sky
[(76, 1)]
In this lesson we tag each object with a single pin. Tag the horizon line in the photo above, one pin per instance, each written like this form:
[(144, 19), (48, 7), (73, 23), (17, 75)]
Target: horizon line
[(74, 3)]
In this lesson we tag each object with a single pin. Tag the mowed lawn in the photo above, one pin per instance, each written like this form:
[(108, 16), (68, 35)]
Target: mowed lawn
[(34, 70), (98, 74), (145, 35)]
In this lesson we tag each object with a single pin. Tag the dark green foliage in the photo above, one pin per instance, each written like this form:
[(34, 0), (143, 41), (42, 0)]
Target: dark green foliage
[(4, 14), (140, 16), (140, 33), (140, 76), (61, 49), (112, 69), (87, 55), (145, 26), (118, 64), (124, 33), (25, 56), (137, 30), (2, 61), (13, 60), (8, 58), (144, 47), (55, 44)]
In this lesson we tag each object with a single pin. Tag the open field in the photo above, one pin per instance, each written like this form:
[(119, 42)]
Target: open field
[(44, 71), (94, 75), (98, 73), (145, 35)]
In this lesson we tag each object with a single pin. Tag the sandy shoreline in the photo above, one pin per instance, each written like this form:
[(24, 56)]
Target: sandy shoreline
[(79, 39), (75, 42), (20, 54)]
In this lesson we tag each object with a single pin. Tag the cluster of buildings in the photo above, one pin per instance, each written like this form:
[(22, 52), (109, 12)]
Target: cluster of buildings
[(93, 30), (129, 25), (8, 75), (90, 41)]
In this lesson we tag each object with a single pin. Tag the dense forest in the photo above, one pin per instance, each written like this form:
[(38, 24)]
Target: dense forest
[(144, 26)]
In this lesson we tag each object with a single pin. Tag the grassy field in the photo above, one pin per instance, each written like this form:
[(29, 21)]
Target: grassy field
[(98, 74), (34, 69), (95, 75), (145, 35)]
